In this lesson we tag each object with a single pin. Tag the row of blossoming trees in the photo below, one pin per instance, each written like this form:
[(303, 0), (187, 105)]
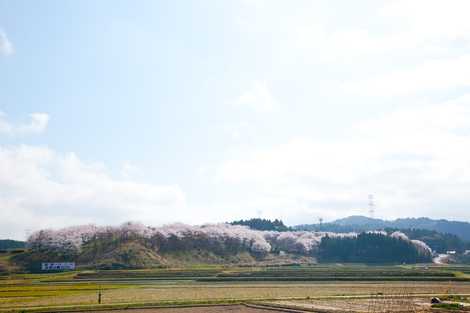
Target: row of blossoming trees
[(220, 239)]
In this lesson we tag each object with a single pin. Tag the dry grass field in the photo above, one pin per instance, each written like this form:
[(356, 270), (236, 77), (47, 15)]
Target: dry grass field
[(87, 294), (79, 290)]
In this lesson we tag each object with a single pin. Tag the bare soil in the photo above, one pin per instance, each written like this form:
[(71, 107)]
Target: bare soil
[(201, 309)]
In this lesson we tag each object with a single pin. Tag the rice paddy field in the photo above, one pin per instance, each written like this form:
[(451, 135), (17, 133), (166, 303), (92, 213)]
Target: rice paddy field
[(314, 288)]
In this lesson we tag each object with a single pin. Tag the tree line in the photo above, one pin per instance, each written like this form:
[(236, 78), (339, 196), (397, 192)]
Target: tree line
[(370, 248), (263, 224)]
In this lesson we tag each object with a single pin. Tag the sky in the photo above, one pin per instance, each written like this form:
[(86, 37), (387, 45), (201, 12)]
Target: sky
[(207, 111)]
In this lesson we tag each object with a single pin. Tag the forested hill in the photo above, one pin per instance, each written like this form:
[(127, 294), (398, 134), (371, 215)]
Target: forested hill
[(8, 244), (368, 248), (440, 242), (362, 223)]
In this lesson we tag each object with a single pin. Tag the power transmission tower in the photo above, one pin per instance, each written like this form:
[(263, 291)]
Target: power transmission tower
[(371, 205)]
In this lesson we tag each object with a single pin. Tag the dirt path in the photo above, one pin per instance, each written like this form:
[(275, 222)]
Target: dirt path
[(202, 309), (441, 259)]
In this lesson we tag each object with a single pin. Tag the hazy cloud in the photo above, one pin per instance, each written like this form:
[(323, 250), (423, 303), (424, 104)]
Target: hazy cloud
[(130, 170), (43, 188), (258, 97), (36, 125), (414, 160), (6, 47), (431, 75), (319, 32)]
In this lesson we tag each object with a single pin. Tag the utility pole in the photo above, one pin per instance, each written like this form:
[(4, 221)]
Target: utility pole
[(99, 294)]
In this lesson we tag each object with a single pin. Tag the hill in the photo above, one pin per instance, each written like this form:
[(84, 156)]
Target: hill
[(136, 246), (362, 223), (8, 244), (358, 220), (368, 248), (439, 242)]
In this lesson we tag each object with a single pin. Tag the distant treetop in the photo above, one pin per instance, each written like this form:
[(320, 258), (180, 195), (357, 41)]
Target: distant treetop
[(262, 224)]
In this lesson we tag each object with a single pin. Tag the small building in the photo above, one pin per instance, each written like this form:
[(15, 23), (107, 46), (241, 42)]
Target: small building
[(57, 266)]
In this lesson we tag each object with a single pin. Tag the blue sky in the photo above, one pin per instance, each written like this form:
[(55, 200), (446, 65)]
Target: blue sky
[(206, 111)]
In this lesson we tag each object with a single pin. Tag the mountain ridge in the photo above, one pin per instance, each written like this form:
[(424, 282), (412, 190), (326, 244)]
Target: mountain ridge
[(364, 223)]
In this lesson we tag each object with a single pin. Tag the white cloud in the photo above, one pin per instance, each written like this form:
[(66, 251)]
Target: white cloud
[(130, 170), (440, 74), (416, 161), (6, 47), (258, 98), (319, 32), (43, 188), (431, 19), (38, 124)]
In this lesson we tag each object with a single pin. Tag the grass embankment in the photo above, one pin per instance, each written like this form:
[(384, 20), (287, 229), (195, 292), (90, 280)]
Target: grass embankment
[(294, 273), (449, 306), (6, 265)]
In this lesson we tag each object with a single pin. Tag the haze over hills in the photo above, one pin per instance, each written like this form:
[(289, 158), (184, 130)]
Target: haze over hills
[(359, 223)]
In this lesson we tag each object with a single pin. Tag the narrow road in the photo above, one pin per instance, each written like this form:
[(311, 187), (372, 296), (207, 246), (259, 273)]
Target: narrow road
[(441, 259)]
